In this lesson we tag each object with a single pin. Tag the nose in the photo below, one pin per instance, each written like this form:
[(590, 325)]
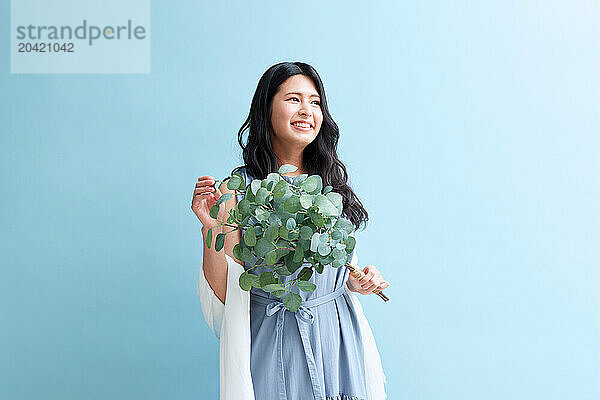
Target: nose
[(304, 109)]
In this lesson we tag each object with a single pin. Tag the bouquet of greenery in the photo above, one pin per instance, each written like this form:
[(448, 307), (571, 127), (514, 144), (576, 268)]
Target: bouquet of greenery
[(285, 225)]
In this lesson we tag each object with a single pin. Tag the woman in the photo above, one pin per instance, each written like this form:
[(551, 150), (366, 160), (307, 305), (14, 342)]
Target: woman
[(317, 354)]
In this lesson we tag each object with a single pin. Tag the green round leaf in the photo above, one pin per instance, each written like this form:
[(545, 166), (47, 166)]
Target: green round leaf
[(316, 218), (255, 185), (306, 232), (244, 206), (283, 232), (271, 257), (285, 168), (272, 233), (306, 286), (237, 251), (250, 196), (280, 189), (338, 263), (290, 223), (315, 241), (242, 182), (305, 274), (325, 206), (344, 225), (299, 179), (298, 254), (267, 278), (273, 177), (261, 195), (262, 215), (209, 238), (306, 200), (263, 246), (310, 184), (339, 254), (219, 241), (273, 287), (319, 268), (350, 243), (335, 198), (250, 237), (245, 280), (275, 220), (214, 211), (246, 254), (234, 182), (224, 197), (292, 301), (283, 271), (292, 204), (323, 249)]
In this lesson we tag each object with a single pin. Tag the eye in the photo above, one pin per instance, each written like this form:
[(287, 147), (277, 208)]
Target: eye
[(318, 102), (293, 98)]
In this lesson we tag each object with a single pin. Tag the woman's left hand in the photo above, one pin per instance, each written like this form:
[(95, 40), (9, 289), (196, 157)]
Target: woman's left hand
[(371, 281)]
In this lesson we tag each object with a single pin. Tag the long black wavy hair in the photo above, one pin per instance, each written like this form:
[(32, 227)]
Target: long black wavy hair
[(319, 157)]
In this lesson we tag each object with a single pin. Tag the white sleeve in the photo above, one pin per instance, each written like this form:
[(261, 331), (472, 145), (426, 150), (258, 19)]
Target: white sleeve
[(234, 348), (374, 375), (212, 308)]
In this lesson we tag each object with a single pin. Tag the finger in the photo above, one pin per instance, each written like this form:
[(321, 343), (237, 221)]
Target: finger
[(368, 286), (364, 284), (205, 177), (362, 278), (204, 189), (205, 184), (357, 274), (369, 270)]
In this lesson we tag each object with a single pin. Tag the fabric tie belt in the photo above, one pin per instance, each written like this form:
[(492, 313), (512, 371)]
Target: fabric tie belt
[(303, 314)]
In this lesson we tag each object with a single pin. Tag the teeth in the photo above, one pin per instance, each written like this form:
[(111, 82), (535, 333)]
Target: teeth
[(303, 125)]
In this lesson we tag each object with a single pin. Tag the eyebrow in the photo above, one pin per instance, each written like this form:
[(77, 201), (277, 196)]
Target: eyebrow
[(312, 95)]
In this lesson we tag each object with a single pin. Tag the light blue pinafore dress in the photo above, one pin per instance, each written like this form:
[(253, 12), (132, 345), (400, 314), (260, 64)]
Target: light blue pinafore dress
[(315, 353)]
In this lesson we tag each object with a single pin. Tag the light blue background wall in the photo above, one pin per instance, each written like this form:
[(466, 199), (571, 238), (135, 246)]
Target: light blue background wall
[(470, 132)]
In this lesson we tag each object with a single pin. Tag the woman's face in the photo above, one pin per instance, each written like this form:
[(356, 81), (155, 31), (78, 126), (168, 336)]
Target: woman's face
[(297, 101)]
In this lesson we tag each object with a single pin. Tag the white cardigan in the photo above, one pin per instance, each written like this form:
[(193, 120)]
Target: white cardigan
[(230, 322)]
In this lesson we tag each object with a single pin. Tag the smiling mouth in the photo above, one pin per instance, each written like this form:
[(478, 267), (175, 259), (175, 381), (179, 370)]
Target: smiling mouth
[(303, 127)]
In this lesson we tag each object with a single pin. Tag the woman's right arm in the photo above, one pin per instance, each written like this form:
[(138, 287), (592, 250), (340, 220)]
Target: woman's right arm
[(214, 263)]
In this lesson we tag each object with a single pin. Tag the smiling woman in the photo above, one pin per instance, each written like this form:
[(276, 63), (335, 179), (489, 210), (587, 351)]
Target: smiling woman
[(324, 350)]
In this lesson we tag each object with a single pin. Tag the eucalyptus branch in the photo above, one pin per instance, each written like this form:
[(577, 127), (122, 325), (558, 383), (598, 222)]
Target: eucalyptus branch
[(304, 214)]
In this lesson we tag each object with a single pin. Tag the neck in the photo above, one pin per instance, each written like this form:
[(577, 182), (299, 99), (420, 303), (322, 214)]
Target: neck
[(286, 156)]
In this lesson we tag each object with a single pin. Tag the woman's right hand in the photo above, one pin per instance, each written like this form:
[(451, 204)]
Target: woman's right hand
[(205, 196)]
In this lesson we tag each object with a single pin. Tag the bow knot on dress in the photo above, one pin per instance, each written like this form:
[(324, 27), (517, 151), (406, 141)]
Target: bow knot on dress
[(303, 312)]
